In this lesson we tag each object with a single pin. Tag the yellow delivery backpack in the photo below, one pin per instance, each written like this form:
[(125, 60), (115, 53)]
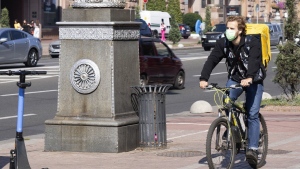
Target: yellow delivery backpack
[(261, 31)]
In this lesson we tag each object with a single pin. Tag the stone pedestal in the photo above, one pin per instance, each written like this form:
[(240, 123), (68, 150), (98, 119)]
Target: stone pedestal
[(98, 63)]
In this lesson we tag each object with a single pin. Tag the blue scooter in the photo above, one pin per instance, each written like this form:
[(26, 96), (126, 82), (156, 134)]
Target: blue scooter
[(18, 156)]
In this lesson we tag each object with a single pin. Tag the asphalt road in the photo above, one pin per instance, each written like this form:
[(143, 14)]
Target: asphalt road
[(41, 97)]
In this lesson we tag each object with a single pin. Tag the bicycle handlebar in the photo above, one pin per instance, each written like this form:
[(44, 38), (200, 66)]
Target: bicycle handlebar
[(215, 85), (22, 72)]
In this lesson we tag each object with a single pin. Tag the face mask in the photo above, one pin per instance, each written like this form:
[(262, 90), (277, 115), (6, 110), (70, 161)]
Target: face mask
[(230, 34)]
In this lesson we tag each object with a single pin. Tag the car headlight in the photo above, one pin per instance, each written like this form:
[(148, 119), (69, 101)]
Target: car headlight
[(203, 36), (222, 36)]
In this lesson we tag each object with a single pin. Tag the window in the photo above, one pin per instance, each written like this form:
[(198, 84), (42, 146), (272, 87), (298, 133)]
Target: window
[(50, 12), (203, 4), (5, 35), (147, 48), (275, 28), (162, 50), (17, 35), (208, 1)]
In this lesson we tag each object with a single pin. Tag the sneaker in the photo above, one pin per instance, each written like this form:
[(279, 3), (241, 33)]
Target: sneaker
[(251, 156)]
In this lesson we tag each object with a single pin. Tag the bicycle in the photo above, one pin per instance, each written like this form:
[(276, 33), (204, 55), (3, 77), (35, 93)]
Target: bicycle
[(18, 155), (221, 145)]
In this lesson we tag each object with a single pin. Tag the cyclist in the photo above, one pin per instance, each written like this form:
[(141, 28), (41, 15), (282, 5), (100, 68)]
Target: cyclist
[(245, 69)]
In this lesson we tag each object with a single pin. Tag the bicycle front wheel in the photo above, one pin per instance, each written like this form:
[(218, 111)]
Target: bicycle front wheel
[(220, 153), (263, 142)]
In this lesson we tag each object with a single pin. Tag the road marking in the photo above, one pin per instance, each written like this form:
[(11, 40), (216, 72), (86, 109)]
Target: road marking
[(285, 141), (10, 117), (188, 135), (45, 91), (193, 58), (212, 74), (192, 124)]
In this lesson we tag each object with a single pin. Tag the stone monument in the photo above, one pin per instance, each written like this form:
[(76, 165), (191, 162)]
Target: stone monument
[(98, 63)]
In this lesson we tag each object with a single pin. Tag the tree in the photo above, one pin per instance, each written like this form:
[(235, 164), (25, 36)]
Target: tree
[(4, 18), (288, 60), (156, 5), (174, 10), (207, 20), (137, 13), (174, 34), (190, 19)]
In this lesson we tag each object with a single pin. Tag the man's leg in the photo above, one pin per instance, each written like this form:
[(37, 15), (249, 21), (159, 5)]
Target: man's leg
[(253, 100)]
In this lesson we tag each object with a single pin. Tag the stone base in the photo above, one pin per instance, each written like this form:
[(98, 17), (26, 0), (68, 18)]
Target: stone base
[(105, 136)]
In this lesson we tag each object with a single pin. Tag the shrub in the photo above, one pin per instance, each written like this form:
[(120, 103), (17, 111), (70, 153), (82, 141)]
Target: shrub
[(190, 19), (4, 18), (174, 34)]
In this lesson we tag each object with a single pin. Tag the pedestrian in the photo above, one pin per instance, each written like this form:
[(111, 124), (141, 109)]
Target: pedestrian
[(243, 68), (37, 26), (17, 25), (162, 31), (26, 26), (32, 27), (202, 27)]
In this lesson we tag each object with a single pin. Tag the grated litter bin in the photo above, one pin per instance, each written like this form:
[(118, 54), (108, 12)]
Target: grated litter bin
[(152, 115)]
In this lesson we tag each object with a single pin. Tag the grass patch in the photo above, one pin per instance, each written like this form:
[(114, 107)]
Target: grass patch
[(282, 101)]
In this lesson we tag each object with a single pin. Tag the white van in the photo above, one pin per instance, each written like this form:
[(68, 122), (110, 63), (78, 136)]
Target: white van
[(155, 18)]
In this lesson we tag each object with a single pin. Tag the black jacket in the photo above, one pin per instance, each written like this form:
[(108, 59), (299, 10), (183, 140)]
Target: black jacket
[(252, 68)]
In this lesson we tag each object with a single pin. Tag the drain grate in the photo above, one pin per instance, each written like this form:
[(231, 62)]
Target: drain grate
[(270, 151), (181, 153)]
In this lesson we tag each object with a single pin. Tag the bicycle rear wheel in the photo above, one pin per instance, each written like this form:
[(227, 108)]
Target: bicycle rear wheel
[(263, 142), (219, 152)]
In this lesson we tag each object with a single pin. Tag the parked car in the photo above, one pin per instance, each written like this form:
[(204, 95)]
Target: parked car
[(185, 30), (209, 39), (159, 65), (54, 49), (276, 35), (17, 46), (144, 28)]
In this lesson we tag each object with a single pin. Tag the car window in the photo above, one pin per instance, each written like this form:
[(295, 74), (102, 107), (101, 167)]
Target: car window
[(5, 35), (147, 48), (162, 50), (219, 28), (17, 35), (275, 28), (279, 28)]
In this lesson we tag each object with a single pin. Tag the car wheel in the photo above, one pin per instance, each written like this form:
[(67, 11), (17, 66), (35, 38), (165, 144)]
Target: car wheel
[(32, 58), (280, 42), (185, 37), (179, 80), (143, 80), (207, 48)]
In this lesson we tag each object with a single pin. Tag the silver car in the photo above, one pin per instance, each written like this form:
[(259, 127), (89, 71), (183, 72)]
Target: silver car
[(54, 49), (17, 46)]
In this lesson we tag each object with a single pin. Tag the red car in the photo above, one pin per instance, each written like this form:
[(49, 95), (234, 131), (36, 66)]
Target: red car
[(159, 65)]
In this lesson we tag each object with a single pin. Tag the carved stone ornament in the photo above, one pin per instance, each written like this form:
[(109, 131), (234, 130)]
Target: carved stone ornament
[(85, 76), (98, 33), (99, 4)]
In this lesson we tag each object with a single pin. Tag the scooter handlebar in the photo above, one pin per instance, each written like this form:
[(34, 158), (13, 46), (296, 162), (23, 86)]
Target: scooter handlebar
[(22, 72)]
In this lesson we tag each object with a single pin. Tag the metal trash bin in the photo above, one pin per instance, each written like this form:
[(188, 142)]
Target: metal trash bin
[(152, 115)]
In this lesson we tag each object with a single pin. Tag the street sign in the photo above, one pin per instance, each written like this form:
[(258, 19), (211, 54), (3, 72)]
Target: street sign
[(145, 1)]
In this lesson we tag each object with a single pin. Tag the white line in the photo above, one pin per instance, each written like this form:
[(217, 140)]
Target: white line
[(30, 78), (10, 117), (188, 134), (45, 91), (285, 141), (213, 74), (192, 124), (193, 58)]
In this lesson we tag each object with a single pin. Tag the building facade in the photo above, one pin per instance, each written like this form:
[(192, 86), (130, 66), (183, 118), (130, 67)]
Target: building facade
[(48, 12)]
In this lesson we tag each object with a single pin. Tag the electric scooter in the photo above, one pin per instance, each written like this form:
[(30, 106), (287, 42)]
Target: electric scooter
[(18, 156)]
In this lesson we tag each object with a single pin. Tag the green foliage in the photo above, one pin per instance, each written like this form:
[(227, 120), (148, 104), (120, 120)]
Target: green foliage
[(288, 70), (207, 20), (4, 18), (174, 34), (174, 10), (156, 5), (288, 60), (190, 19), (292, 26), (137, 13)]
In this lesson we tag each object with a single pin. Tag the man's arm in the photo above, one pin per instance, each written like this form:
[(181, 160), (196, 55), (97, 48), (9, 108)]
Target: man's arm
[(213, 59)]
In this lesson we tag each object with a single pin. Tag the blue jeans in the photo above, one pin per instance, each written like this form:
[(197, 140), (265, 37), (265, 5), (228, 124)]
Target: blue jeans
[(253, 99)]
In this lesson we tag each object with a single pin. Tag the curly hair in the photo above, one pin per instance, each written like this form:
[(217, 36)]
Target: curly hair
[(241, 23)]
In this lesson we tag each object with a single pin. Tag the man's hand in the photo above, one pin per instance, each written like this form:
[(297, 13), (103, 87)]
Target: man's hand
[(203, 84), (246, 82)]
